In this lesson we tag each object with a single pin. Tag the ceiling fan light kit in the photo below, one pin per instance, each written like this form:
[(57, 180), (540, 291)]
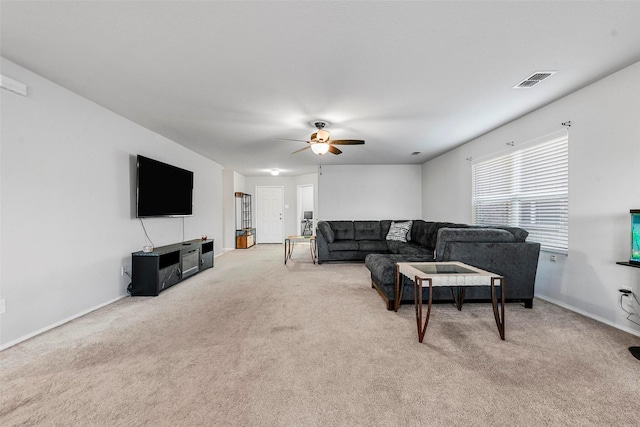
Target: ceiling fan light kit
[(320, 142), (320, 148), (322, 135)]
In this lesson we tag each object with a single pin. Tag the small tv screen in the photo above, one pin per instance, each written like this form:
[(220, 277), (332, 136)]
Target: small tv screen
[(635, 236), (163, 189)]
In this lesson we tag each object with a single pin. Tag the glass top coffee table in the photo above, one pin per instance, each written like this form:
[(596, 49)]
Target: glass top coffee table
[(289, 242), (454, 274)]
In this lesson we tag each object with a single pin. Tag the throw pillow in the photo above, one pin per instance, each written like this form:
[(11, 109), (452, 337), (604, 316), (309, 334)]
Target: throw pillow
[(399, 230), (327, 231)]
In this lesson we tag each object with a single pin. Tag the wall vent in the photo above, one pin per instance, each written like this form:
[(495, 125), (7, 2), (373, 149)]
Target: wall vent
[(534, 79)]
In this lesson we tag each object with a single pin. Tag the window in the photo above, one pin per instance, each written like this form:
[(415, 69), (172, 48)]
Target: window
[(527, 188)]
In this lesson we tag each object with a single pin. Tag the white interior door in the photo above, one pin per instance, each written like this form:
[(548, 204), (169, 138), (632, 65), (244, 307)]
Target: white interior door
[(269, 214)]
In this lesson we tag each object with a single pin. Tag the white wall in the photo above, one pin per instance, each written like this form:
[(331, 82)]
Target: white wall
[(370, 192), (604, 150), (68, 203)]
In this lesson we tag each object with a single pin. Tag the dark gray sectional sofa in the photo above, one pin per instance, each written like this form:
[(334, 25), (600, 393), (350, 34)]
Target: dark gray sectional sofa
[(502, 250)]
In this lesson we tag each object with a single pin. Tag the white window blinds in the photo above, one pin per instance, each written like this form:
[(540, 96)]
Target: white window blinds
[(527, 188)]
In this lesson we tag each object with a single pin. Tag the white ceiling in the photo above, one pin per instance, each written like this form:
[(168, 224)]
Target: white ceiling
[(227, 78)]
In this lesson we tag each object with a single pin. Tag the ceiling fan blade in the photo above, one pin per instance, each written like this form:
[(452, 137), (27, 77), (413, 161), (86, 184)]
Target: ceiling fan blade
[(347, 141), (289, 139), (334, 150), (302, 149)]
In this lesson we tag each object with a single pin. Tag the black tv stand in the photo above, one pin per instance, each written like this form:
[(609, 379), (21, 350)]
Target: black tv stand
[(153, 272)]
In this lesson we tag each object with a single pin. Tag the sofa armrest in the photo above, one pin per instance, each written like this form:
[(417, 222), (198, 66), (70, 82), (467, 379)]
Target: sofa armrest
[(322, 246), (517, 262), (468, 235)]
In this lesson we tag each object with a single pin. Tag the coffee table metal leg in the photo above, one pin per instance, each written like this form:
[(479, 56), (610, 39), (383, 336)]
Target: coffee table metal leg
[(398, 289), (422, 329), (312, 247), (287, 250), (458, 296), (498, 316)]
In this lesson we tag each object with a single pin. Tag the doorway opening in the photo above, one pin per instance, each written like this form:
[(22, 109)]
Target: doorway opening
[(306, 210)]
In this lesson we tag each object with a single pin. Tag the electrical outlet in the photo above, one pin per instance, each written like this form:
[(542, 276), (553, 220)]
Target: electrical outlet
[(3, 306), (123, 270), (553, 258)]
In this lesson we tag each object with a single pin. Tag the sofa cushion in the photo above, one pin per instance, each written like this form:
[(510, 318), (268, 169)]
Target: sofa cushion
[(399, 230), (384, 227), (419, 230), (424, 241), (343, 245), (343, 230), (326, 230), (395, 246), (367, 230), (414, 249), (373, 246), (383, 267)]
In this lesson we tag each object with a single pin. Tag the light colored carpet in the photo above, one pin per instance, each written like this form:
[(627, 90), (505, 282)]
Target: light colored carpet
[(256, 343)]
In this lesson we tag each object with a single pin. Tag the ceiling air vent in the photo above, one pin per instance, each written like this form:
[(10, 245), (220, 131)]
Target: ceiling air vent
[(533, 79)]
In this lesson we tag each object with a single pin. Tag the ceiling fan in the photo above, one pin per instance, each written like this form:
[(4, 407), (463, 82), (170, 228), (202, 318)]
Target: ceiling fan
[(321, 143)]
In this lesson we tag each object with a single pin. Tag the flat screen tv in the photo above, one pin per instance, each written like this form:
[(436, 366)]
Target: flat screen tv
[(163, 189), (635, 237)]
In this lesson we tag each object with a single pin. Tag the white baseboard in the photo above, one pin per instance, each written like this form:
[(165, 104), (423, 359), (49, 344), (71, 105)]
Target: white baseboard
[(61, 322), (592, 316)]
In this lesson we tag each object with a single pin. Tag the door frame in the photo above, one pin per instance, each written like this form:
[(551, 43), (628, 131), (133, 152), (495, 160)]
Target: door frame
[(299, 212)]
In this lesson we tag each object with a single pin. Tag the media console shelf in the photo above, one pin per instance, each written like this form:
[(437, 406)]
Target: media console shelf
[(634, 350), (153, 272), (245, 233), (628, 264)]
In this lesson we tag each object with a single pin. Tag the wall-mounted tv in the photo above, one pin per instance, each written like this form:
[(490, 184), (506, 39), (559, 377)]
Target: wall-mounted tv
[(163, 189)]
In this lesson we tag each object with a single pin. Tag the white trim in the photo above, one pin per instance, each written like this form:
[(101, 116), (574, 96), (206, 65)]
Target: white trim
[(592, 316), (13, 85), (59, 323)]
